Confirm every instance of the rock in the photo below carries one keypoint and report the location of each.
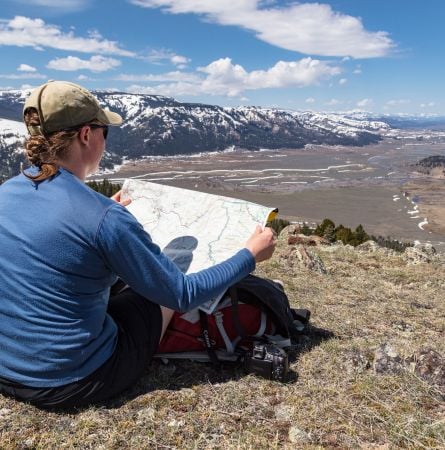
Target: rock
(284, 412)
(310, 241)
(290, 230)
(356, 362)
(420, 253)
(4, 413)
(298, 436)
(403, 326)
(368, 246)
(291, 256)
(146, 414)
(176, 423)
(425, 248)
(387, 360)
(430, 366)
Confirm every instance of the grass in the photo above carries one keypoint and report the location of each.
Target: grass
(335, 399)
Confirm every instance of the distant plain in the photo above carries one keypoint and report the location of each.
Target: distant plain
(375, 185)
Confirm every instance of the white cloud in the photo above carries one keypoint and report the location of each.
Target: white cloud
(170, 89)
(333, 102)
(71, 5)
(96, 63)
(342, 81)
(428, 105)
(177, 59)
(222, 77)
(162, 56)
(310, 100)
(226, 78)
(175, 76)
(26, 32)
(310, 28)
(365, 103)
(397, 102)
(26, 68)
(23, 76)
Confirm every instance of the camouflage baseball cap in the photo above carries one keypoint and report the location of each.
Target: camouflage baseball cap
(64, 105)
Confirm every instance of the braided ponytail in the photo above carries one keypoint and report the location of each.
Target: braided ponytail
(42, 151)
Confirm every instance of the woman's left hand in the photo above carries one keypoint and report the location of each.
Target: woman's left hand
(117, 198)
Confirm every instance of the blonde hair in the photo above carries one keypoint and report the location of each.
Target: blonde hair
(42, 151)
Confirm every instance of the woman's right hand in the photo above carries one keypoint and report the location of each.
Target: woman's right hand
(262, 243)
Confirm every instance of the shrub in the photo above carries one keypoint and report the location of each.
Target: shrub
(278, 225)
(105, 187)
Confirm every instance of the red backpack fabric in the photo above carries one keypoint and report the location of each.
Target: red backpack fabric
(185, 333)
(253, 310)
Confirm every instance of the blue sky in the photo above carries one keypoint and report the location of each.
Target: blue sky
(339, 55)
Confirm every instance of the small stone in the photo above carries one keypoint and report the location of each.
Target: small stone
(146, 414)
(430, 366)
(284, 412)
(356, 362)
(387, 360)
(298, 436)
(290, 230)
(368, 246)
(29, 443)
(176, 423)
(420, 253)
(5, 412)
(403, 326)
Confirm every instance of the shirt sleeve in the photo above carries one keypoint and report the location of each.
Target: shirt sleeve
(130, 253)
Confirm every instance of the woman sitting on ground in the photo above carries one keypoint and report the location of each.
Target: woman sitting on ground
(64, 341)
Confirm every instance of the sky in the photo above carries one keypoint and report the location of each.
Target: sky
(383, 56)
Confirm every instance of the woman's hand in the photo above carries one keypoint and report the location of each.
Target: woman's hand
(117, 198)
(262, 243)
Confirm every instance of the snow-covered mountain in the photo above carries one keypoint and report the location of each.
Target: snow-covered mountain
(157, 125)
(402, 121)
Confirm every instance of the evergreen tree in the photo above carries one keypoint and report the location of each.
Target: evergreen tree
(105, 187)
(278, 225)
(306, 230)
(360, 236)
(343, 234)
(329, 233)
(321, 228)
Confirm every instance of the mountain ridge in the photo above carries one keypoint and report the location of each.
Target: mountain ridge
(158, 125)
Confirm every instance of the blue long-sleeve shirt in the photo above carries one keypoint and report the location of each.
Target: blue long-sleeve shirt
(62, 246)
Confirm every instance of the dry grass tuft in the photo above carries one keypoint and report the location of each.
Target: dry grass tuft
(337, 399)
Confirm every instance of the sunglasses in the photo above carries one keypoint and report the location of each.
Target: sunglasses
(93, 126)
(104, 128)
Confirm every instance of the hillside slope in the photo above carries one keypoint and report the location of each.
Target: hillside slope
(377, 382)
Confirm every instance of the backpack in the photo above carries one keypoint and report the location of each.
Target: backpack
(253, 311)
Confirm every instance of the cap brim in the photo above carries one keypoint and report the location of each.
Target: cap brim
(109, 117)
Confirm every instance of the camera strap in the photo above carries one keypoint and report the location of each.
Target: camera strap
(207, 341)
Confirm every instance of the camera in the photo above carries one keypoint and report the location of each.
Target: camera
(267, 361)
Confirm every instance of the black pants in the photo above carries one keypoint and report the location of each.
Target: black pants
(139, 324)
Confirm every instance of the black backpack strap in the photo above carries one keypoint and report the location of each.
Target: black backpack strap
(301, 319)
(303, 315)
(233, 292)
(206, 340)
